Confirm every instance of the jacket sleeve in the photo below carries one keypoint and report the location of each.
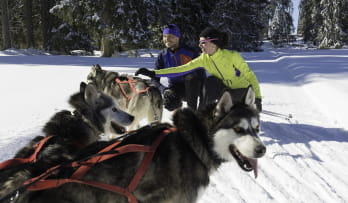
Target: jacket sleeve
(248, 74)
(193, 65)
(159, 62)
(158, 65)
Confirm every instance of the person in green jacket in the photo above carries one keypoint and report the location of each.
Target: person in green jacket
(227, 69)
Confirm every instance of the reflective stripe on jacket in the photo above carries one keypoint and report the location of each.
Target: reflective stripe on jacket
(224, 64)
(168, 59)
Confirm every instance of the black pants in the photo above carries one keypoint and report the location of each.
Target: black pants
(189, 91)
(213, 88)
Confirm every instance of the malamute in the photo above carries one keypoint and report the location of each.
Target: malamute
(68, 132)
(135, 95)
(181, 165)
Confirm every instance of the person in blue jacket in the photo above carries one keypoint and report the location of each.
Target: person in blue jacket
(181, 88)
(227, 68)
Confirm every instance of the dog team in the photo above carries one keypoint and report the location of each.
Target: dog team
(100, 151)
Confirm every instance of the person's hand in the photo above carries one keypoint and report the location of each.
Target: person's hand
(258, 103)
(146, 72)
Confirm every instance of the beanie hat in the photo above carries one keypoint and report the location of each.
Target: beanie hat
(172, 29)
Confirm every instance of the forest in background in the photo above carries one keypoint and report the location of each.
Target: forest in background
(119, 25)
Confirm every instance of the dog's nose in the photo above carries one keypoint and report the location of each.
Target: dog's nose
(260, 151)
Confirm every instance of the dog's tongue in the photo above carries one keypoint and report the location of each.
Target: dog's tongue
(253, 163)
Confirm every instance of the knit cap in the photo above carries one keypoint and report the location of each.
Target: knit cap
(172, 29)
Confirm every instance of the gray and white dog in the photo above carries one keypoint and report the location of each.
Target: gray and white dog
(94, 113)
(127, 91)
(181, 165)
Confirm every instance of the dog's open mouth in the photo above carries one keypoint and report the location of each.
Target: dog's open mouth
(118, 128)
(247, 164)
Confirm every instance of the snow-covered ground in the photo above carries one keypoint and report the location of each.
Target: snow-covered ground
(306, 159)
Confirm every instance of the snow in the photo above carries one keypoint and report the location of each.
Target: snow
(306, 159)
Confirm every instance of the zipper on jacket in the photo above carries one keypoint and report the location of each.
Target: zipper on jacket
(217, 68)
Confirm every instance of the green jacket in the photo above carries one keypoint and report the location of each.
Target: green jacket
(224, 64)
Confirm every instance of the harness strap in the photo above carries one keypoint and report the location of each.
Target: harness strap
(86, 165)
(40, 182)
(130, 82)
(16, 161)
(147, 159)
(53, 183)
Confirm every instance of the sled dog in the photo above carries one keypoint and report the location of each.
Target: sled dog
(135, 95)
(180, 166)
(68, 132)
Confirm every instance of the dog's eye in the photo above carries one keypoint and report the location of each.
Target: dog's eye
(257, 129)
(114, 109)
(238, 129)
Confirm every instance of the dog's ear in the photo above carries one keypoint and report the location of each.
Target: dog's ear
(250, 98)
(95, 69)
(224, 104)
(91, 94)
(82, 87)
(93, 72)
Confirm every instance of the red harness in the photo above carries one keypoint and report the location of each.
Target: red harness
(130, 82)
(41, 182)
(31, 159)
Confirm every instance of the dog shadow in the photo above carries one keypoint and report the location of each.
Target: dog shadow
(286, 133)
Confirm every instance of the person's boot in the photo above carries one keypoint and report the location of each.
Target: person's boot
(171, 100)
(193, 86)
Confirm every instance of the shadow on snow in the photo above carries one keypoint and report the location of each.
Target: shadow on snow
(286, 133)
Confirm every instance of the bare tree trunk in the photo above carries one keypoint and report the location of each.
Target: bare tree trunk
(7, 43)
(107, 46)
(28, 21)
(45, 19)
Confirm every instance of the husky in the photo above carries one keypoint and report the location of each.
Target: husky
(181, 164)
(135, 95)
(68, 132)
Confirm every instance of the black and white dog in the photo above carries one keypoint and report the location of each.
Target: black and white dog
(135, 95)
(181, 165)
(95, 113)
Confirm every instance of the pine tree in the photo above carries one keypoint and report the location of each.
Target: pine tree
(28, 21)
(268, 16)
(7, 42)
(330, 33)
(47, 21)
(305, 20)
(242, 21)
(158, 14)
(324, 22)
(130, 24)
(77, 25)
(281, 25)
(344, 17)
(190, 16)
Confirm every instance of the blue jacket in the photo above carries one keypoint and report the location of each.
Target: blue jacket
(167, 59)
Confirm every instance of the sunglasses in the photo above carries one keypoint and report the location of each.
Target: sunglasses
(204, 41)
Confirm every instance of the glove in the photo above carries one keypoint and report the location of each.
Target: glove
(146, 72)
(258, 103)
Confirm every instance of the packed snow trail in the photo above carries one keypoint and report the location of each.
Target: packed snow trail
(306, 159)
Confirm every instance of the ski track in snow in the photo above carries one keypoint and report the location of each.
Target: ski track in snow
(306, 159)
